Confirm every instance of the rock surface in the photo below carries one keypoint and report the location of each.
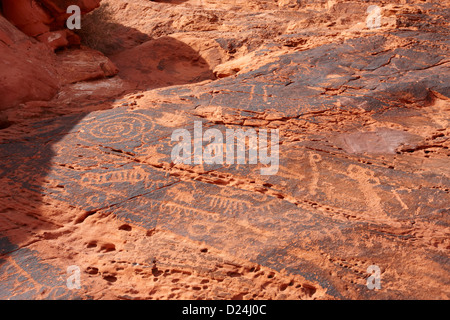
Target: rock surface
(31, 71)
(45, 19)
(27, 69)
(87, 178)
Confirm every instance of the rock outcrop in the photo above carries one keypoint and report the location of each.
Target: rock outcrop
(87, 181)
(29, 69)
(46, 19)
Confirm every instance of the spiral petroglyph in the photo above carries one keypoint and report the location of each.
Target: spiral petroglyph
(117, 128)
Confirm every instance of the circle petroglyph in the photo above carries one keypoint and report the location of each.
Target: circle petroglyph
(117, 128)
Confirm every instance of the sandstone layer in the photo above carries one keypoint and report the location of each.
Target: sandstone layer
(363, 113)
(29, 69)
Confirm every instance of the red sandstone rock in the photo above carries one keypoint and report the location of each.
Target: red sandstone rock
(28, 16)
(30, 71)
(83, 65)
(39, 18)
(55, 39)
(86, 179)
(27, 68)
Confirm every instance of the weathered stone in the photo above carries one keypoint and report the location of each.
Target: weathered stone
(45, 19)
(363, 115)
